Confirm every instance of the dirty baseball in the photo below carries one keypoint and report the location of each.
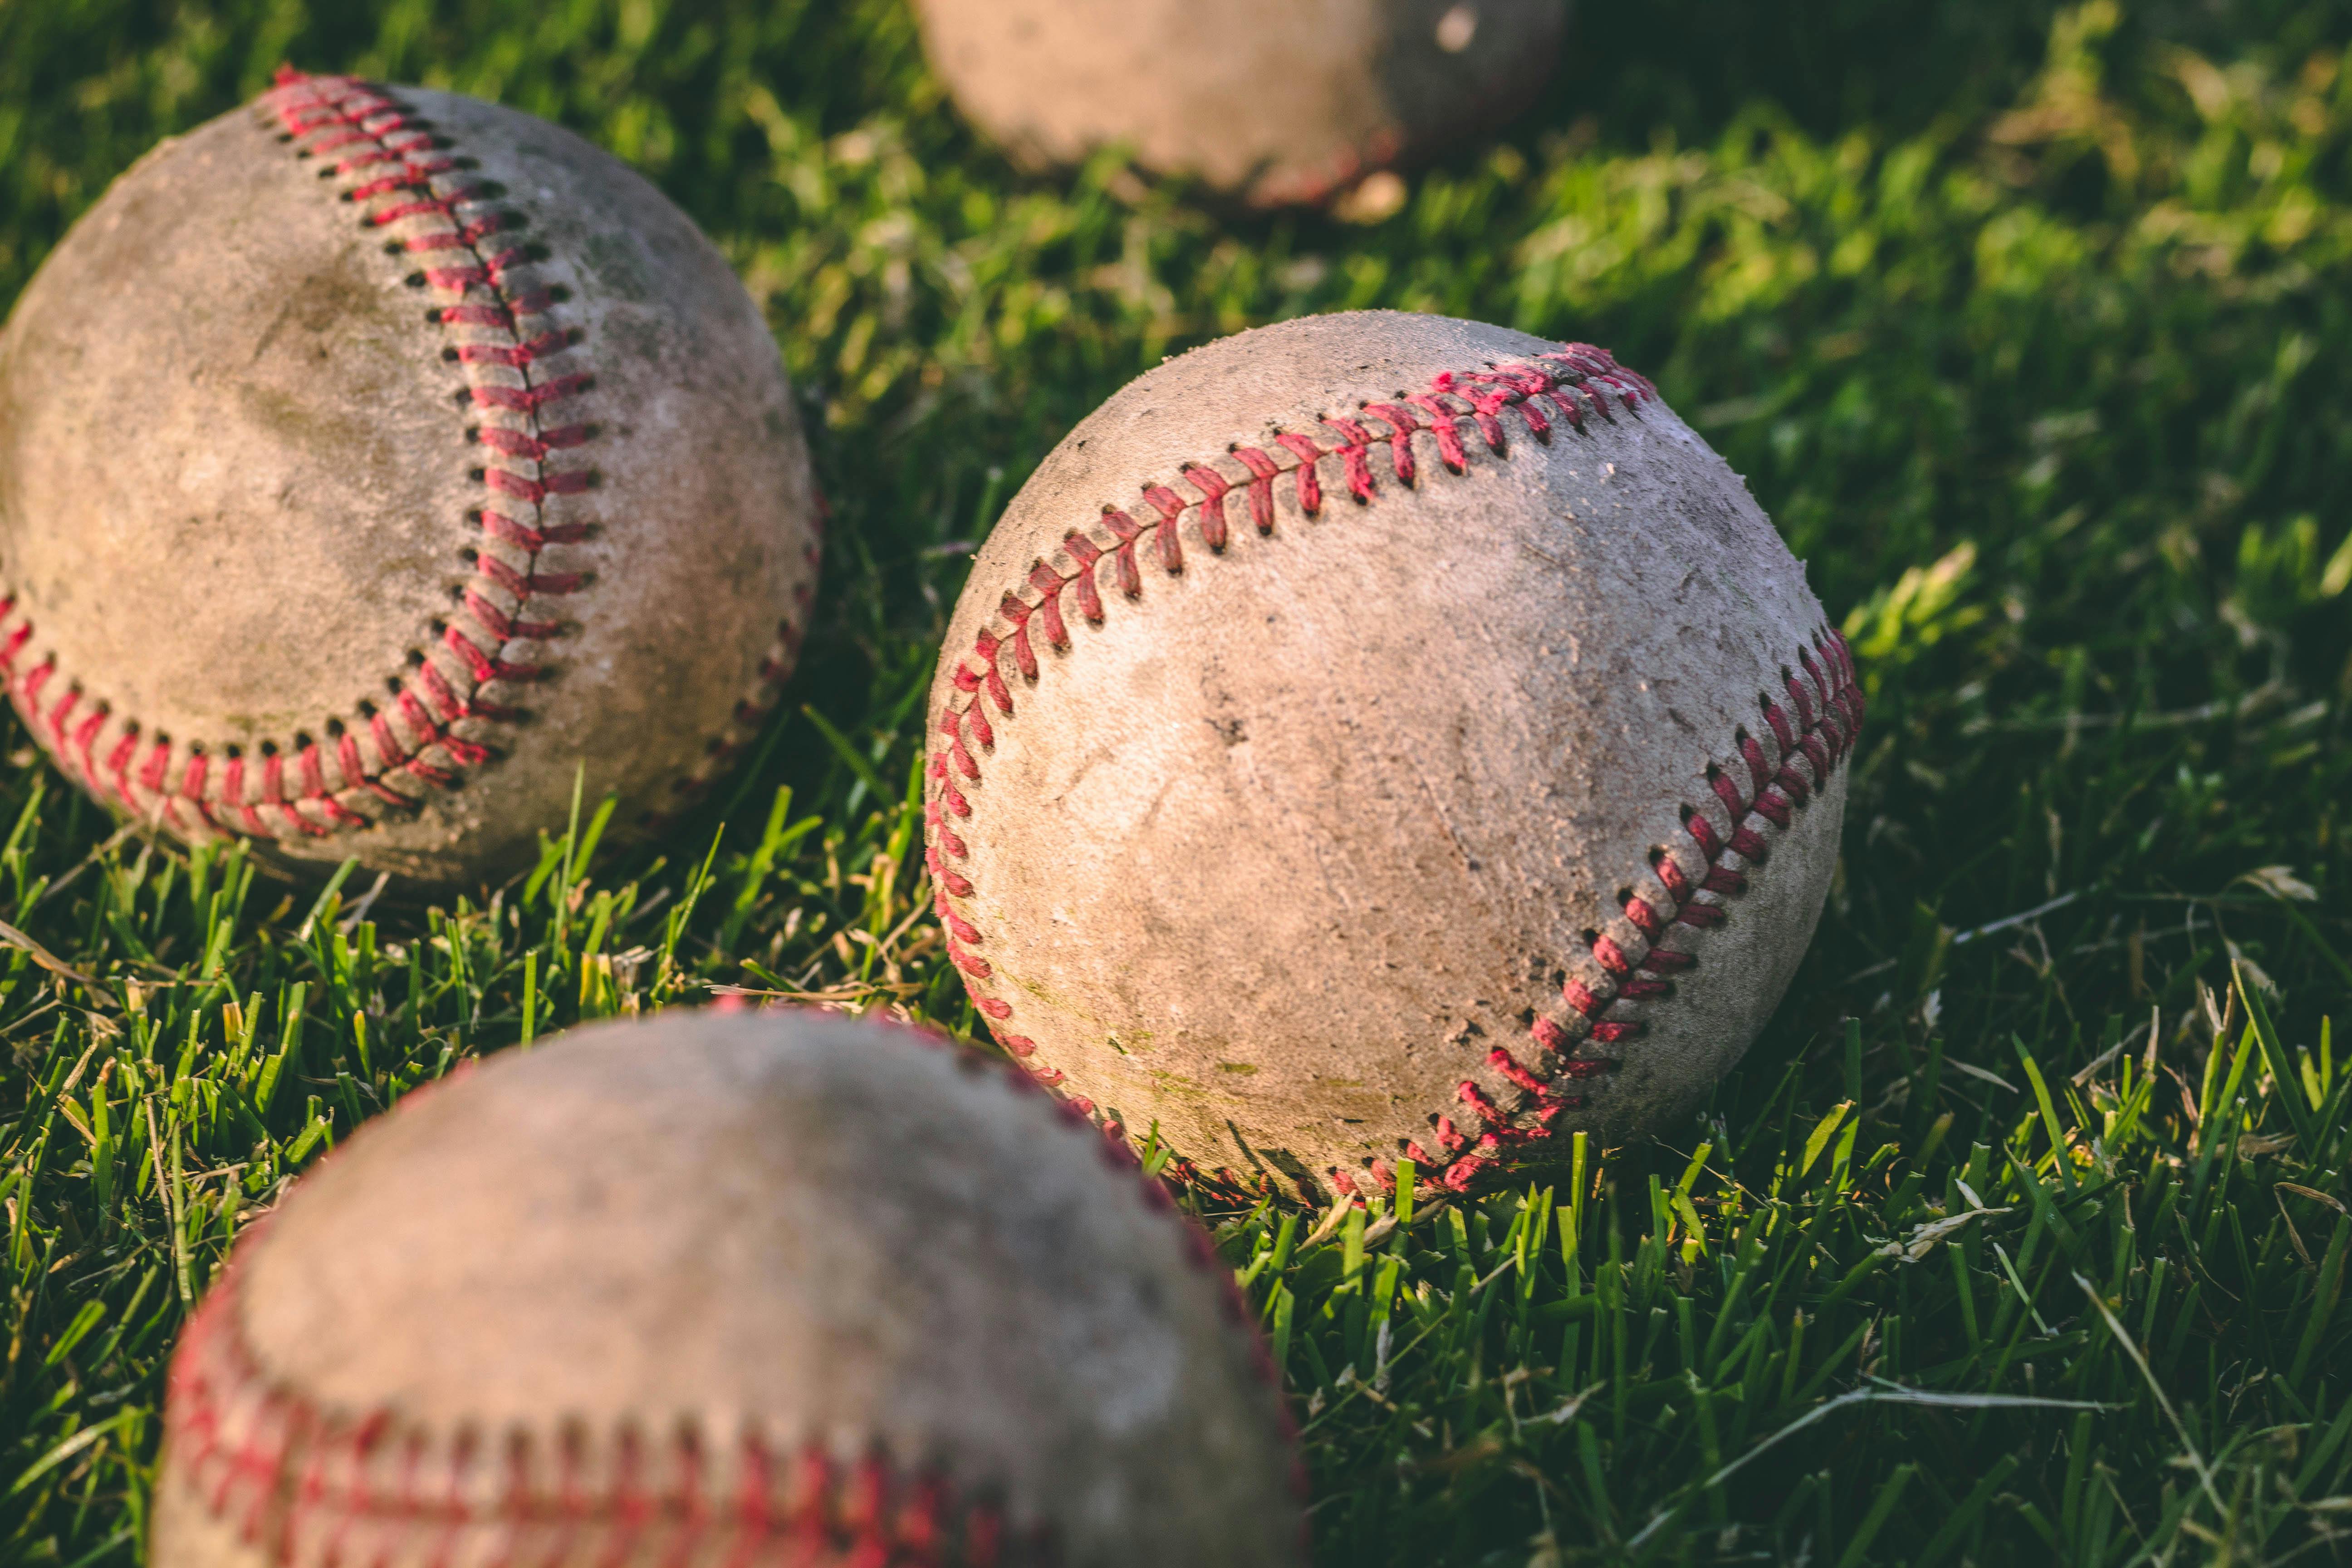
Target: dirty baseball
(711, 1288)
(463, 467)
(1383, 737)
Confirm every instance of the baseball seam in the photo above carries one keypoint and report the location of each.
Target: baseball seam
(1575, 384)
(308, 1483)
(303, 1483)
(396, 174)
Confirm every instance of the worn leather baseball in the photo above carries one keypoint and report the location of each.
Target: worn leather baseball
(1380, 735)
(713, 1289)
(1275, 104)
(372, 459)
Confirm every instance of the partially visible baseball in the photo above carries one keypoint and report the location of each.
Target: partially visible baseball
(1275, 104)
(1379, 736)
(372, 460)
(710, 1289)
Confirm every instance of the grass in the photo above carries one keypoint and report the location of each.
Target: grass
(2022, 1233)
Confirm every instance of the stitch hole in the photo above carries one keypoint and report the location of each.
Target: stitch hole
(392, 687)
(416, 661)
(438, 626)
(302, 741)
(560, 294)
(269, 748)
(233, 752)
(477, 475)
(415, 281)
(334, 729)
(474, 516)
(392, 247)
(576, 334)
(487, 191)
(535, 253)
(469, 555)
(433, 319)
(450, 355)
(366, 711)
(284, 137)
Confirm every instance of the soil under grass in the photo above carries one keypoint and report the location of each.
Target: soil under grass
(2022, 1233)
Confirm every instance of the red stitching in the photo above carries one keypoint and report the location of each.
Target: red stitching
(301, 1481)
(308, 1482)
(1578, 383)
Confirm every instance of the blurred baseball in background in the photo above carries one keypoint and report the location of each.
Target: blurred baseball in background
(1270, 104)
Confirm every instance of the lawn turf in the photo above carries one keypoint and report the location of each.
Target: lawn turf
(2028, 325)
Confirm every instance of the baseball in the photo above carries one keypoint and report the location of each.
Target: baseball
(1382, 736)
(712, 1289)
(1274, 104)
(372, 460)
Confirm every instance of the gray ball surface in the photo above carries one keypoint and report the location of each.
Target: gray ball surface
(711, 1288)
(1379, 736)
(372, 459)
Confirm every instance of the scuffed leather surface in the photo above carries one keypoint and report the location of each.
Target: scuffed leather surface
(1278, 103)
(235, 480)
(1276, 855)
(787, 1225)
